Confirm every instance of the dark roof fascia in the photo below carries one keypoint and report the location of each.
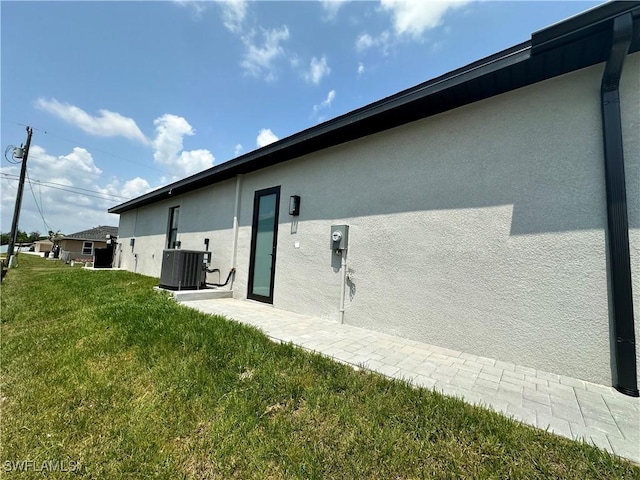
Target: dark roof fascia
(584, 24)
(247, 163)
(418, 102)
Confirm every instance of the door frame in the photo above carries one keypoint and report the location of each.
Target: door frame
(254, 238)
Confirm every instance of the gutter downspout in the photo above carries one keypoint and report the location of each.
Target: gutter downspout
(135, 230)
(236, 215)
(625, 375)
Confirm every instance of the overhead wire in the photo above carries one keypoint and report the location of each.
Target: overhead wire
(77, 143)
(78, 193)
(42, 204)
(47, 184)
(67, 188)
(40, 210)
(40, 193)
(74, 187)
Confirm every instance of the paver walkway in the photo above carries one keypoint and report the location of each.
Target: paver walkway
(566, 406)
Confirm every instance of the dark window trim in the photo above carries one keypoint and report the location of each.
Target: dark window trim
(254, 237)
(172, 211)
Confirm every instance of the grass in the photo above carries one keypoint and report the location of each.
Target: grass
(112, 380)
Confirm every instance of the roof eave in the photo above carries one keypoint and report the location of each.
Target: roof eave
(539, 58)
(332, 127)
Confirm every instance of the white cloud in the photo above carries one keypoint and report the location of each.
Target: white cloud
(331, 7)
(238, 150)
(366, 41)
(360, 68)
(197, 7)
(170, 131)
(265, 137)
(55, 182)
(76, 210)
(108, 124)
(233, 14)
(135, 187)
(318, 69)
(326, 102)
(260, 59)
(168, 144)
(413, 17)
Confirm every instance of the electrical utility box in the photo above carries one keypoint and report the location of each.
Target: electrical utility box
(182, 269)
(339, 237)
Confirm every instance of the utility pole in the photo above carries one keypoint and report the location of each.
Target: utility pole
(16, 211)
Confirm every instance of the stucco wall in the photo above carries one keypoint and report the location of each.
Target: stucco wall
(481, 229)
(76, 246)
(206, 213)
(42, 246)
(630, 101)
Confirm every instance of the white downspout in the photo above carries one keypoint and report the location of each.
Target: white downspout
(135, 231)
(236, 215)
(343, 282)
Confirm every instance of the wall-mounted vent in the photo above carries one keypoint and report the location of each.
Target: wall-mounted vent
(182, 269)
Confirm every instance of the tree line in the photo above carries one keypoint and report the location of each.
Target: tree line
(24, 237)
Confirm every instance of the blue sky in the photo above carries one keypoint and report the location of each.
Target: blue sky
(125, 97)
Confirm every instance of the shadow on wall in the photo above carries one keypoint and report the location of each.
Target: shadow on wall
(350, 283)
(539, 150)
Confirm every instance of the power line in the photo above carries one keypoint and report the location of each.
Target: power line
(76, 193)
(97, 150)
(46, 226)
(8, 176)
(40, 193)
(84, 189)
(70, 186)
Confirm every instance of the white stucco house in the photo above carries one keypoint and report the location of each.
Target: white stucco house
(493, 210)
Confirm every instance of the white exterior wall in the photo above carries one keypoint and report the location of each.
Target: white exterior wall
(630, 103)
(206, 213)
(481, 229)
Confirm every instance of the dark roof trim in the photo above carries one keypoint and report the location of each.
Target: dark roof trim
(583, 24)
(578, 42)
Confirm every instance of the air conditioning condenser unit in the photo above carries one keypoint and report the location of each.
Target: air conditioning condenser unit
(182, 269)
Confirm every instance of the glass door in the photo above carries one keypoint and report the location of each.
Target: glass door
(264, 237)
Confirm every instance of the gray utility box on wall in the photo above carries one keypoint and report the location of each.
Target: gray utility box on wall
(339, 237)
(182, 269)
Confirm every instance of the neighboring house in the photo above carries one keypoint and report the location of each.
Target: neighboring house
(42, 246)
(81, 246)
(484, 214)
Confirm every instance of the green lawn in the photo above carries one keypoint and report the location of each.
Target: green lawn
(105, 377)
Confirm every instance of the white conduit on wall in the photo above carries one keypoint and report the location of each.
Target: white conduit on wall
(343, 282)
(236, 215)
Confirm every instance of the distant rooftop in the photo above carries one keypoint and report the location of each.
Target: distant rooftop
(95, 234)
